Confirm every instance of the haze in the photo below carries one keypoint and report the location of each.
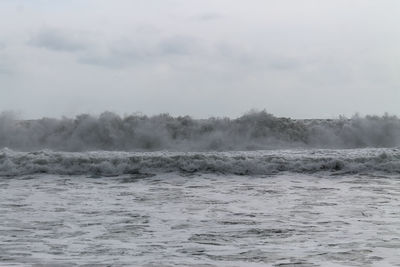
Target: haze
(300, 59)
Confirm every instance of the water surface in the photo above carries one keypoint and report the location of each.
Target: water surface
(200, 219)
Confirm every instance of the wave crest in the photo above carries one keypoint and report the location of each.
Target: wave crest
(252, 131)
(240, 163)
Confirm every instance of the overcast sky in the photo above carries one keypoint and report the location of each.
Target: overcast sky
(294, 58)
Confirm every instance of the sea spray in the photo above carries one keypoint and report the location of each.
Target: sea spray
(252, 131)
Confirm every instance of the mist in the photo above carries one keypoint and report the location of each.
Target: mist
(255, 130)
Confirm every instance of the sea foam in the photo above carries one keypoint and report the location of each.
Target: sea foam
(104, 163)
(252, 131)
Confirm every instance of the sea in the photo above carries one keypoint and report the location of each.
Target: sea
(290, 207)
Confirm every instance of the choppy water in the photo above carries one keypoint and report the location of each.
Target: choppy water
(102, 163)
(202, 218)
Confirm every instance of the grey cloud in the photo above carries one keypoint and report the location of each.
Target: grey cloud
(125, 52)
(175, 50)
(57, 40)
(181, 51)
(184, 52)
(4, 69)
(284, 63)
(106, 60)
(119, 54)
(5, 65)
(255, 59)
(208, 17)
(178, 45)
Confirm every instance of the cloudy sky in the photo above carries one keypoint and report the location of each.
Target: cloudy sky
(294, 58)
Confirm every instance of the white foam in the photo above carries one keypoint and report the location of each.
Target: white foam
(252, 163)
(257, 130)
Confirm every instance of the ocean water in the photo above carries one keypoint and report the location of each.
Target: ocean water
(313, 207)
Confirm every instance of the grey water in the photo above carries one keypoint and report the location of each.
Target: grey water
(297, 209)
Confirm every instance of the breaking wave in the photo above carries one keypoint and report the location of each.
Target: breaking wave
(252, 131)
(385, 161)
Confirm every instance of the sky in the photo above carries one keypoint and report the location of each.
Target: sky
(299, 59)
